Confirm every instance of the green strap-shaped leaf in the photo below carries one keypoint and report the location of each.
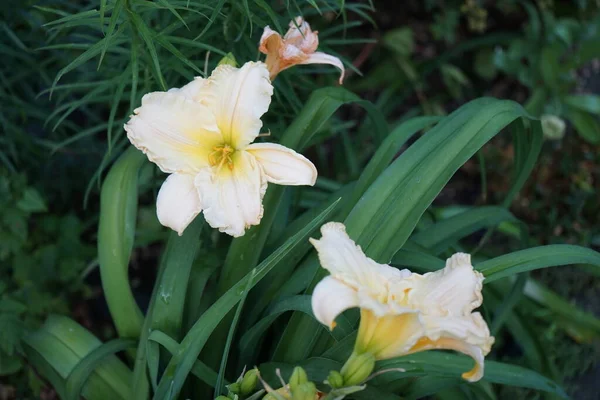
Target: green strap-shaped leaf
(562, 307)
(586, 125)
(584, 102)
(183, 360)
(302, 303)
(388, 212)
(220, 384)
(148, 36)
(82, 371)
(439, 236)
(536, 258)
(165, 312)
(58, 350)
(199, 370)
(116, 231)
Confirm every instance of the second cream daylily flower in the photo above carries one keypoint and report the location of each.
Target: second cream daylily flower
(201, 135)
(297, 46)
(401, 312)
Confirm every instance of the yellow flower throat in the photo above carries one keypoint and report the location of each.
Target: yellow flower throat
(220, 156)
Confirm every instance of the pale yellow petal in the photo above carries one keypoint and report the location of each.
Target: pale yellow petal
(346, 261)
(387, 336)
(467, 334)
(174, 132)
(330, 298)
(192, 90)
(232, 197)
(238, 97)
(454, 290)
(282, 165)
(178, 202)
(322, 58)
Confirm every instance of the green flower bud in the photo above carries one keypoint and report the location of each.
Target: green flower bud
(229, 59)
(249, 382)
(234, 388)
(298, 377)
(335, 379)
(553, 127)
(358, 368)
(222, 398)
(304, 391)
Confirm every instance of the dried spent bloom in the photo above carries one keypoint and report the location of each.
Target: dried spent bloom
(298, 46)
(202, 134)
(401, 312)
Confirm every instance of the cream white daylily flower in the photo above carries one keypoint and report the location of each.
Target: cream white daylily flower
(201, 134)
(401, 312)
(298, 46)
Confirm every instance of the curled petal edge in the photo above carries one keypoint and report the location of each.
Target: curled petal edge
(330, 298)
(322, 58)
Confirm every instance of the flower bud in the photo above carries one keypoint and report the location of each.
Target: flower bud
(335, 379)
(249, 382)
(234, 388)
(358, 368)
(553, 127)
(304, 391)
(298, 378)
(222, 398)
(229, 59)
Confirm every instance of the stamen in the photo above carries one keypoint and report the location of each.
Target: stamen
(264, 134)
(220, 156)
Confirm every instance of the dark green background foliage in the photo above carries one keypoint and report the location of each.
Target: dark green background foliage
(73, 71)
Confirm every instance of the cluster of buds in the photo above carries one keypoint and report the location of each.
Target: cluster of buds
(298, 388)
(243, 387)
(476, 15)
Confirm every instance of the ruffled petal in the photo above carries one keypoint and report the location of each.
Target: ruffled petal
(178, 202)
(238, 97)
(454, 290)
(322, 58)
(191, 90)
(282, 165)
(232, 198)
(174, 132)
(346, 261)
(468, 335)
(330, 298)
